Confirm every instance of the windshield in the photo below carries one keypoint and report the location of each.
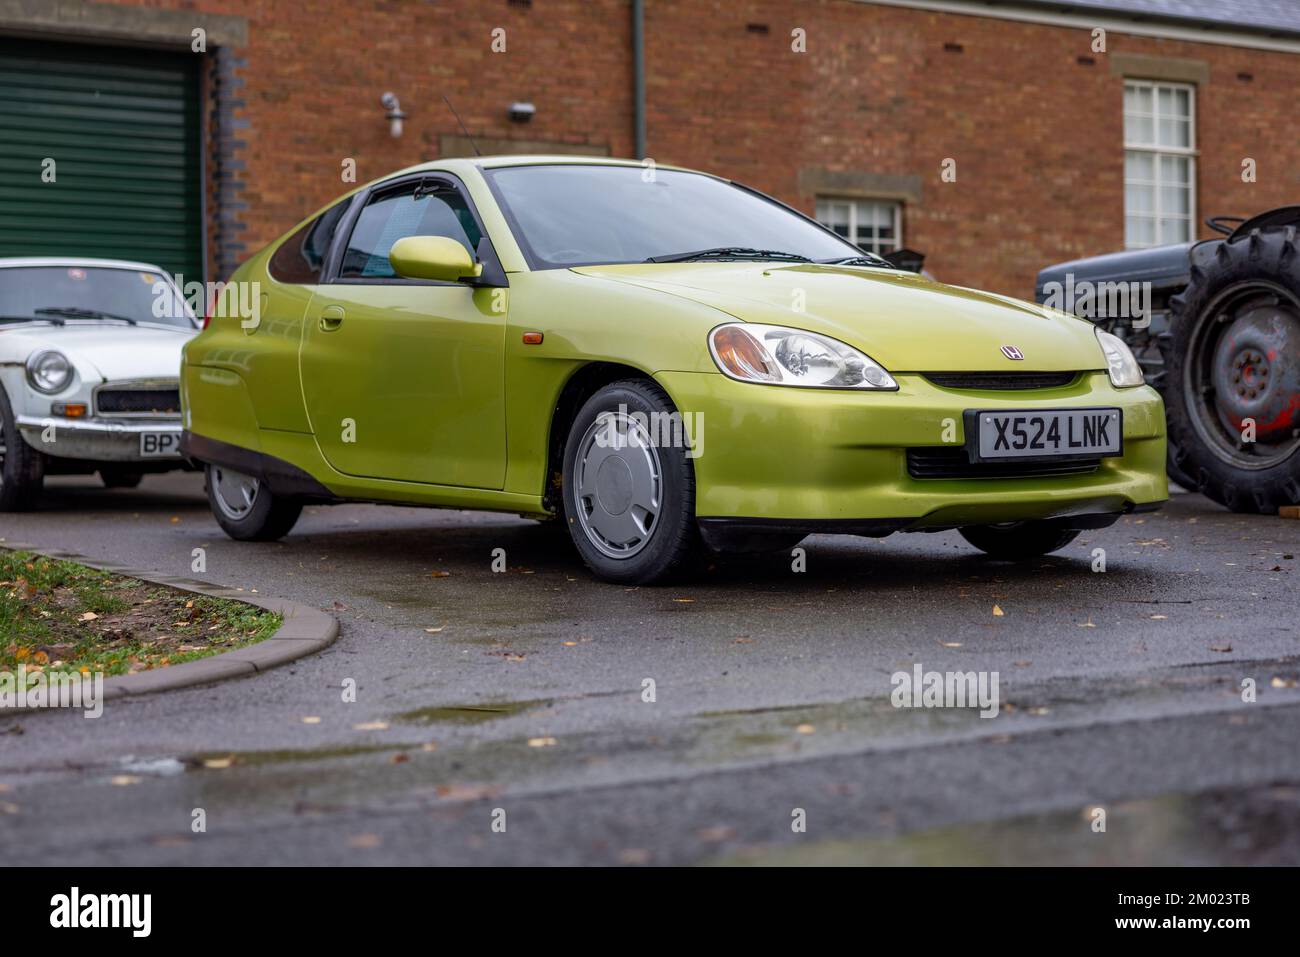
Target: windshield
(585, 215)
(78, 294)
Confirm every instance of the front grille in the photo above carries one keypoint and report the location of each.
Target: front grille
(1001, 380)
(141, 402)
(948, 462)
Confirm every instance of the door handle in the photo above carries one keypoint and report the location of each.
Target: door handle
(331, 318)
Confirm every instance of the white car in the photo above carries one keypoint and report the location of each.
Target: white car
(90, 355)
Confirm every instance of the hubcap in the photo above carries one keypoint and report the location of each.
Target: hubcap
(618, 485)
(235, 493)
(1243, 366)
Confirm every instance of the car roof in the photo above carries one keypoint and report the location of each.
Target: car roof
(17, 261)
(462, 163)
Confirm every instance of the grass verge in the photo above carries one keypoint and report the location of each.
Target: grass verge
(59, 616)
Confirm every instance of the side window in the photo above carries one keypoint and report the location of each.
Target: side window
(300, 257)
(411, 210)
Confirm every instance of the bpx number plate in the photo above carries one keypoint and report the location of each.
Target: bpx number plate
(1044, 433)
(160, 445)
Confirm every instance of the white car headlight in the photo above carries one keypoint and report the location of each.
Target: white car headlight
(1124, 369)
(49, 372)
(775, 355)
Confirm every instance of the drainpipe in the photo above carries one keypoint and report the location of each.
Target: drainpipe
(638, 74)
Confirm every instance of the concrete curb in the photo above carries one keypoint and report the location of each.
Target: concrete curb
(305, 630)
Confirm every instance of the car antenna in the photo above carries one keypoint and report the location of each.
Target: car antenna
(477, 151)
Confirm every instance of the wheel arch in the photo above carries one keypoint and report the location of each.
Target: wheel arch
(582, 384)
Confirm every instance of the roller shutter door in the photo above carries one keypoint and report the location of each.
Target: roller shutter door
(122, 127)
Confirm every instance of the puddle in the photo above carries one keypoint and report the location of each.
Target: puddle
(472, 713)
(1225, 827)
(260, 758)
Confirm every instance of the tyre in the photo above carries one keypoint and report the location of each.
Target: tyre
(1234, 364)
(22, 468)
(119, 478)
(246, 509)
(1017, 541)
(629, 501)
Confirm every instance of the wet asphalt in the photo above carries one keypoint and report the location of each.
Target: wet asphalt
(502, 717)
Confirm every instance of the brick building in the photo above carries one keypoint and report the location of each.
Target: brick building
(191, 132)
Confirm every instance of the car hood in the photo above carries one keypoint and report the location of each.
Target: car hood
(110, 351)
(905, 321)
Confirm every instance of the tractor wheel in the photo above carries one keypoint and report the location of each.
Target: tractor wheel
(1233, 387)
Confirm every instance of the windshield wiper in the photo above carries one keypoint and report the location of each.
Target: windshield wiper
(730, 252)
(74, 313)
(867, 260)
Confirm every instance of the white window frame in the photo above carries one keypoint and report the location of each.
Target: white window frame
(1156, 151)
(853, 203)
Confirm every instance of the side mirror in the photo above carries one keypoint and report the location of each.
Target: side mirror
(432, 257)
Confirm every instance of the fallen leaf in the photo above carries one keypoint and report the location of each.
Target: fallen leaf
(1159, 617)
(123, 780)
(371, 726)
(997, 611)
(364, 841)
(433, 631)
(87, 616)
(1224, 648)
(713, 835)
(541, 742)
(951, 644)
(1282, 683)
(806, 729)
(439, 574)
(311, 719)
(218, 764)
(400, 758)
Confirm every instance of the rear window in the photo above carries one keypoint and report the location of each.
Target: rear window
(301, 257)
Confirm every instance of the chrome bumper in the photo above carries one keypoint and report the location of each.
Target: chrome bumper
(97, 440)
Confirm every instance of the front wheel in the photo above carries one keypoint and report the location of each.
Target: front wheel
(246, 509)
(22, 468)
(1017, 541)
(629, 498)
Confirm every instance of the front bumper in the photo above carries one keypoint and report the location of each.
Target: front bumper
(99, 440)
(805, 457)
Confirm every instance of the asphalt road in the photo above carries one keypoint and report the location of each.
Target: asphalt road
(518, 697)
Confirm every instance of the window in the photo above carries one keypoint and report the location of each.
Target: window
(1159, 163)
(300, 257)
(873, 225)
(415, 209)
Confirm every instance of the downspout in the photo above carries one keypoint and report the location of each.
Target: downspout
(638, 75)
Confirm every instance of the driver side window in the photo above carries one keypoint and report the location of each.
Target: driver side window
(395, 214)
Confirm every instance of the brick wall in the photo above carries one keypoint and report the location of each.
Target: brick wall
(1036, 134)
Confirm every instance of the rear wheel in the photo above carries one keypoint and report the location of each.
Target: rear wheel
(1017, 541)
(629, 502)
(246, 509)
(1233, 394)
(22, 468)
(119, 478)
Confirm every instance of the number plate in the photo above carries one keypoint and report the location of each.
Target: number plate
(160, 445)
(1047, 433)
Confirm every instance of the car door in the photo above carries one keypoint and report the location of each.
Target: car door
(404, 379)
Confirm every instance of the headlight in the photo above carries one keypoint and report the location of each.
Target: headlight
(1124, 369)
(49, 372)
(775, 355)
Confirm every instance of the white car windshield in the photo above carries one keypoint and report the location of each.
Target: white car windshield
(586, 214)
(80, 294)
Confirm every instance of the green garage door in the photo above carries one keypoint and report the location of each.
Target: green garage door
(122, 127)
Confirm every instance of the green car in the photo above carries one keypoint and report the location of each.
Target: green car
(668, 362)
